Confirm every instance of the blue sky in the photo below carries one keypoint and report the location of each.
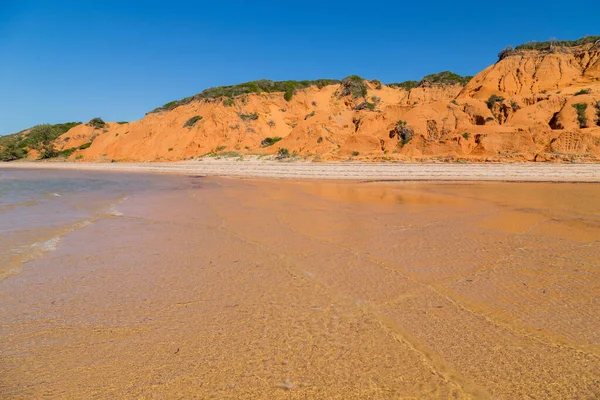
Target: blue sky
(75, 60)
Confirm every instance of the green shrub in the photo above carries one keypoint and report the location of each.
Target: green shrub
(271, 123)
(220, 148)
(192, 121)
(311, 114)
(581, 117)
(282, 153)
(492, 100)
(270, 141)
(249, 117)
(40, 138)
(403, 132)
(79, 156)
(10, 148)
(515, 107)
(365, 105)
(170, 149)
(66, 152)
(228, 102)
(445, 78)
(454, 102)
(509, 50)
(260, 86)
(231, 154)
(355, 153)
(406, 85)
(466, 135)
(376, 83)
(85, 146)
(320, 139)
(353, 85)
(557, 43)
(96, 123)
(583, 91)
(122, 122)
(48, 151)
(488, 119)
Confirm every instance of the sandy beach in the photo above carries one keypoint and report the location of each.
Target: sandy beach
(254, 168)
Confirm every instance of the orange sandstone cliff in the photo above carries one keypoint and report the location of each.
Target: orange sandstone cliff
(539, 104)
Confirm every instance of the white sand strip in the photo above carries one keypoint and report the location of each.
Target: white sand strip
(515, 172)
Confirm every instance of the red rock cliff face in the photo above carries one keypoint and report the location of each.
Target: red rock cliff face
(537, 117)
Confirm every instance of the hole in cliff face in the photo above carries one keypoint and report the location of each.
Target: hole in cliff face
(356, 122)
(554, 124)
(479, 120)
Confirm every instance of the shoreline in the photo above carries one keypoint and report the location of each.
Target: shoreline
(252, 168)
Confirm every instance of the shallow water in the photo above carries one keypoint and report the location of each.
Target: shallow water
(39, 208)
(197, 288)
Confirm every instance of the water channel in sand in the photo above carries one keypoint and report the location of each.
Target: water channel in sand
(204, 287)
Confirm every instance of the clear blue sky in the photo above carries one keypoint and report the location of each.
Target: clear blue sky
(75, 60)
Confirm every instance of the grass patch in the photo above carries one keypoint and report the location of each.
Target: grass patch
(583, 91)
(581, 117)
(248, 117)
(288, 88)
(231, 154)
(228, 102)
(270, 141)
(85, 146)
(509, 50)
(557, 43)
(220, 148)
(192, 121)
(445, 78)
(365, 105)
(406, 85)
(466, 135)
(66, 153)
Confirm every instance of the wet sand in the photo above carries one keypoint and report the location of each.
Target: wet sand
(230, 288)
(254, 167)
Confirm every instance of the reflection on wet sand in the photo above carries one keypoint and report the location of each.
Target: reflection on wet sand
(269, 289)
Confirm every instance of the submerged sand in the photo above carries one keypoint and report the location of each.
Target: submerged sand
(285, 289)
